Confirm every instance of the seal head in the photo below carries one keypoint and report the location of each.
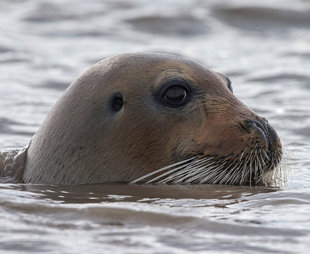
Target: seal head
(151, 118)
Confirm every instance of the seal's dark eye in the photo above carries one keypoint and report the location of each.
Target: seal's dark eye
(175, 95)
(117, 102)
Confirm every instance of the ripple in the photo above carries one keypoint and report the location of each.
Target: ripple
(263, 19)
(11, 59)
(303, 131)
(282, 77)
(5, 124)
(8, 126)
(170, 26)
(305, 55)
(4, 49)
(26, 245)
(45, 12)
(53, 84)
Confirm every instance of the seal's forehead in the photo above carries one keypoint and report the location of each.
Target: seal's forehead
(151, 70)
(147, 59)
(166, 65)
(156, 64)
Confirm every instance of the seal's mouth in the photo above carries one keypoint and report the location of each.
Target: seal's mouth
(252, 166)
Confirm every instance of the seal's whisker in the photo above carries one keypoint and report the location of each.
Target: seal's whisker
(185, 176)
(165, 168)
(179, 170)
(172, 177)
(190, 167)
(194, 176)
(243, 173)
(209, 174)
(266, 155)
(216, 173)
(255, 163)
(199, 174)
(228, 178)
(251, 166)
(219, 174)
(171, 171)
(205, 173)
(259, 161)
(235, 176)
(242, 153)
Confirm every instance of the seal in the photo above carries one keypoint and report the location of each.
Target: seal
(152, 118)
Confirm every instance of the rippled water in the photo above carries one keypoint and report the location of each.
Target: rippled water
(264, 47)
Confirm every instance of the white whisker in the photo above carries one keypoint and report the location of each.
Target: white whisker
(163, 169)
(252, 166)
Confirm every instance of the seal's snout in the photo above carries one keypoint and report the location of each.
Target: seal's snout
(264, 130)
(263, 139)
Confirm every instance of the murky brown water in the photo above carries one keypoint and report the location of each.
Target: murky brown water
(264, 47)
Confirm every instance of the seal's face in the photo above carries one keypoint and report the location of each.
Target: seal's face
(155, 118)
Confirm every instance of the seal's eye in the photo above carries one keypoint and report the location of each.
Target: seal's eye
(175, 95)
(117, 102)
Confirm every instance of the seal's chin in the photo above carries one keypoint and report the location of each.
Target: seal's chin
(252, 166)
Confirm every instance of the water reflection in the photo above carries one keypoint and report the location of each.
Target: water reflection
(147, 193)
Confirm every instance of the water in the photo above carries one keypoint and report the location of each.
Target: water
(264, 47)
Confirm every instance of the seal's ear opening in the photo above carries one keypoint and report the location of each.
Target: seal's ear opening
(117, 102)
(227, 81)
(229, 85)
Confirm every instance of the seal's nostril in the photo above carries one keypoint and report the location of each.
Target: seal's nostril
(257, 126)
(250, 124)
(264, 129)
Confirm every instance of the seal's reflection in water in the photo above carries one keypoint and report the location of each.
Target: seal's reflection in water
(97, 193)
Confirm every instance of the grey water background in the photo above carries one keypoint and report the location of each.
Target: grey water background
(263, 46)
